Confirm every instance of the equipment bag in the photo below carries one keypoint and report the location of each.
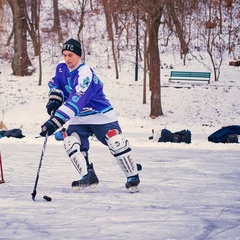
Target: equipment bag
(225, 135)
(177, 137)
(16, 133)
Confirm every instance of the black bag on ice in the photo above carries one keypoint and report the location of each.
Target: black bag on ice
(16, 133)
(225, 135)
(177, 137)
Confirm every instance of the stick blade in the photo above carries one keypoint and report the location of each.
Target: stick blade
(34, 193)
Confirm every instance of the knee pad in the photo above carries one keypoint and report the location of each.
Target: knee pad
(72, 147)
(116, 142)
(120, 149)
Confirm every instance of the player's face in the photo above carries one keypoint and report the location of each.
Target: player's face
(72, 60)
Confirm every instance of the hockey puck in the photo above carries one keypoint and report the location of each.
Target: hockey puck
(47, 198)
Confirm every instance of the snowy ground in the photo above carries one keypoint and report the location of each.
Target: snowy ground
(187, 191)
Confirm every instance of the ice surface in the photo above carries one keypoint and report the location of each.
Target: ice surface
(188, 191)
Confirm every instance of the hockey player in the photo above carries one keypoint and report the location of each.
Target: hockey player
(76, 96)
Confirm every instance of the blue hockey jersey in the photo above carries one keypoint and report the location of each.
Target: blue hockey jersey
(84, 99)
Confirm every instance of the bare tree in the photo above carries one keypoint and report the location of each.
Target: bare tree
(1, 25)
(145, 57)
(82, 5)
(39, 43)
(1, 14)
(108, 10)
(21, 63)
(33, 24)
(151, 12)
(213, 37)
(56, 21)
(155, 13)
(180, 13)
(232, 13)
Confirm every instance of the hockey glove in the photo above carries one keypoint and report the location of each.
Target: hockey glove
(54, 102)
(51, 125)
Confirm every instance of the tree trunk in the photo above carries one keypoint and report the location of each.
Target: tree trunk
(82, 5)
(145, 69)
(32, 25)
(21, 63)
(56, 21)
(39, 45)
(156, 109)
(1, 16)
(109, 22)
(179, 30)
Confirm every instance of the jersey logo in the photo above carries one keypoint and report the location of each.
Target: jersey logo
(68, 88)
(95, 79)
(85, 82)
(75, 99)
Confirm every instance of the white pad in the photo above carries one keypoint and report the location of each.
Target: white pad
(121, 150)
(72, 147)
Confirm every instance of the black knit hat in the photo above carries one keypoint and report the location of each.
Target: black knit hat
(73, 46)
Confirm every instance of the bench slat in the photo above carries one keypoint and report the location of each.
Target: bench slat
(189, 76)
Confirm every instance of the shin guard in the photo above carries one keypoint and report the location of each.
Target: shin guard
(121, 150)
(72, 147)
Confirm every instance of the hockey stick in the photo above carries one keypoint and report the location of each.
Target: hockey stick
(34, 193)
(2, 178)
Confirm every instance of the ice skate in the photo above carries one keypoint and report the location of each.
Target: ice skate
(132, 183)
(89, 180)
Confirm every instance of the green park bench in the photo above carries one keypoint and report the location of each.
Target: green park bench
(186, 77)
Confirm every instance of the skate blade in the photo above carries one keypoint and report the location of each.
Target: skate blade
(91, 188)
(134, 189)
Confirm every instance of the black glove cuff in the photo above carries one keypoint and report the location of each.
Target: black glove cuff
(56, 96)
(58, 121)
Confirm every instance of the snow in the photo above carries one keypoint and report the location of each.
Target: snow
(188, 191)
